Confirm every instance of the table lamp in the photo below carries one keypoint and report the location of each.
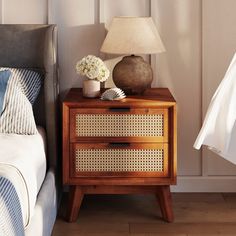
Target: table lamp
(130, 36)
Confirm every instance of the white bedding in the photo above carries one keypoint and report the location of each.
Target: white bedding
(219, 128)
(23, 162)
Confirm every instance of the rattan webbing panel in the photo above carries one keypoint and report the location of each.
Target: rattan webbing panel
(118, 160)
(95, 125)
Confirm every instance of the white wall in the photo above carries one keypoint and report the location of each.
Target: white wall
(200, 39)
(24, 11)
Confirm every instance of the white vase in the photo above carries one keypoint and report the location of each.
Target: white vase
(91, 88)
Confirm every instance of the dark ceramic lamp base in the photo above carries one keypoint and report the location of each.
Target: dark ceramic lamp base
(133, 75)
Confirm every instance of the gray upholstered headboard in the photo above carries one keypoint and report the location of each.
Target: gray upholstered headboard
(35, 46)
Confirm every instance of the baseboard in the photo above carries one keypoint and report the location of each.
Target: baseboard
(205, 184)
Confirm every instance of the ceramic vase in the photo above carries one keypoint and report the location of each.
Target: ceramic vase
(91, 88)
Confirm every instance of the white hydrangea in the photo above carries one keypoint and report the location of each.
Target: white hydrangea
(93, 67)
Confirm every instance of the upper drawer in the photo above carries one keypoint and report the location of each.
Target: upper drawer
(120, 124)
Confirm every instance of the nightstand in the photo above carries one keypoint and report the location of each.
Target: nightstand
(120, 147)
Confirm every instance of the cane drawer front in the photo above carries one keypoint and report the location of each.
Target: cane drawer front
(119, 159)
(133, 125)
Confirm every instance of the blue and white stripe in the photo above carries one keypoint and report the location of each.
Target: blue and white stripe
(4, 77)
(22, 89)
(29, 81)
(11, 220)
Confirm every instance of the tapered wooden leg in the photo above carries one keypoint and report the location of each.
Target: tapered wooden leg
(165, 201)
(75, 199)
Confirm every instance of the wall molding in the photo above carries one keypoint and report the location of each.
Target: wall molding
(205, 184)
(50, 18)
(47, 11)
(97, 17)
(204, 159)
(1, 11)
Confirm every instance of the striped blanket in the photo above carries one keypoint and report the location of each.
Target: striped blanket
(11, 221)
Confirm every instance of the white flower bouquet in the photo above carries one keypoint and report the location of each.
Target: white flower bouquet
(93, 67)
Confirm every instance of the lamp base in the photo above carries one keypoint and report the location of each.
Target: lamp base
(133, 75)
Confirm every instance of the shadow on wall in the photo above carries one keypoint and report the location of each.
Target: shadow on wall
(179, 69)
(110, 63)
(75, 43)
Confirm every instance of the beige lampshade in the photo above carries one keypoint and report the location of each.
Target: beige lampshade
(132, 35)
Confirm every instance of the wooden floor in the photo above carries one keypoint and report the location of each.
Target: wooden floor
(196, 214)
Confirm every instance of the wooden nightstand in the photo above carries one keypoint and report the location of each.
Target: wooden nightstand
(120, 147)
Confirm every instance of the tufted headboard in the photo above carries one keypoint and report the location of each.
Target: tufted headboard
(35, 46)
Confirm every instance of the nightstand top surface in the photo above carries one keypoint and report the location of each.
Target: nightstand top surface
(153, 96)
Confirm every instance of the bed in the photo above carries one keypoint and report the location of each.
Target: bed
(31, 46)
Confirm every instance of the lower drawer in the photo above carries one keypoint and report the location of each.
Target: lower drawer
(119, 159)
